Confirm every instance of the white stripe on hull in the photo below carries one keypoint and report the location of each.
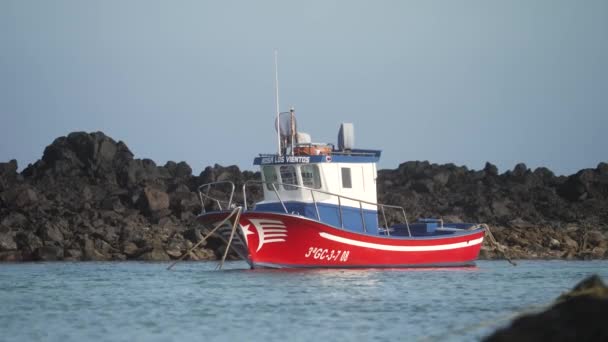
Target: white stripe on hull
(400, 248)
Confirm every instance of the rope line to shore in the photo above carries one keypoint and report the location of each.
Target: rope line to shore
(498, 247)
(236, 211)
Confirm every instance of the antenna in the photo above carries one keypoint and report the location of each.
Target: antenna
(276, 80)
(292, 127)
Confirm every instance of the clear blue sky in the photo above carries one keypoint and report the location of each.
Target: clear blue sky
(445, 81)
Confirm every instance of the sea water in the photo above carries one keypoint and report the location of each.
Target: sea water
(133, 301)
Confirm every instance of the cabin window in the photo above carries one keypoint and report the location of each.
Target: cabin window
(346, 181)
(310, 176)
(288, 176)
(270, 176)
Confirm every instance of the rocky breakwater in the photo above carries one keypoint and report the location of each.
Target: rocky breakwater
(88, 198)
(533, 213)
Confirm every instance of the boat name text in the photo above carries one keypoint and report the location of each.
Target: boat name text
(286, 160)
(327, 254)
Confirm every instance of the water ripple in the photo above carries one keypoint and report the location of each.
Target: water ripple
(134, 301)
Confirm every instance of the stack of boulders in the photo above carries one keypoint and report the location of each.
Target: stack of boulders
(88, 198)
(535, 214)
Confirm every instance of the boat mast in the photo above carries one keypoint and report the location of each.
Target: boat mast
(276, 82)
(292, 127)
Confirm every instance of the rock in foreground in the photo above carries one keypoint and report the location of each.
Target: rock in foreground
(579, 315)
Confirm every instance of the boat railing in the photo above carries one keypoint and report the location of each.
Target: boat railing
(354, 153)
(380, 207)
(204, 195)
(333, 151)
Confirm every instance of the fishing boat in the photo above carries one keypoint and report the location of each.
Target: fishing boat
(319, 210)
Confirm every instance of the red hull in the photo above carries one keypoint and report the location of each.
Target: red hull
(282, 240)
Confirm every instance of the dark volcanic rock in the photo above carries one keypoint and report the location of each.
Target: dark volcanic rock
(80, 153)
(180, 170)
(20, 196)
(218, 173)
(27, 243)
(538, 197)
(7, 240)
(579, 315)
(490, 169)
(155, 254)
(8, 174)
(184, 202)
(155, 200)
(89, 199)
(573, 189)
(586, 184)
(48, 253)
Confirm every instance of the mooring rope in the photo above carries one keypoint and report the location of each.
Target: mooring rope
(498, 247)
(234, 225)
(236, 211)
